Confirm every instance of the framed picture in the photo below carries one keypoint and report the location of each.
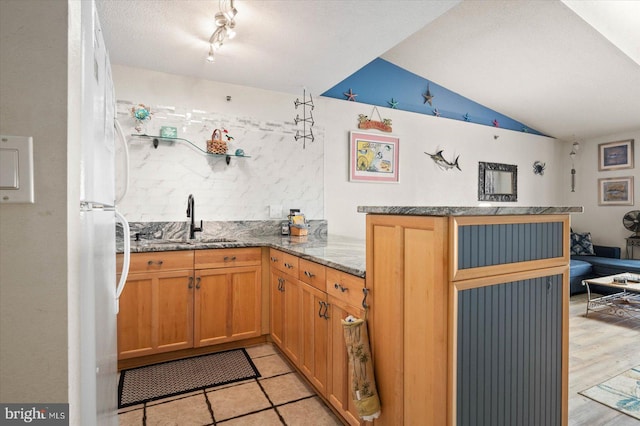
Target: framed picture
(615, 191)
(373, 158)
(615, 155)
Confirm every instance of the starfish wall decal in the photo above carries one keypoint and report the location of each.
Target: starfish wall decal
(393, 103)
(350, 95)
(428, 97)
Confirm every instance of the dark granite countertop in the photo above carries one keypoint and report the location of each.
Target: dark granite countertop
(343, 253)
(466, 211)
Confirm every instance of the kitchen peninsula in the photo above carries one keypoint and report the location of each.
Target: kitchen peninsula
(469, 313)
(237, 285)
(468, 307)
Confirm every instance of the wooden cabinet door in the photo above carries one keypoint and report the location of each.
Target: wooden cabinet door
(246, 303)
(277, 307)
(292, 329)
(338, 392)
(227, 305)
(135, 317)
(175, 312)
(315, 333)
(407, 258)
(156, 313)
(286, 300)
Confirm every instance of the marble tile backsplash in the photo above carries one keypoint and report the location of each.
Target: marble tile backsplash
(277, 174)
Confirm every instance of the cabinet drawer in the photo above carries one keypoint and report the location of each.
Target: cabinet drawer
(345, 287)
(158, 261)
(284, 262)
(221, 258)
(312, 273)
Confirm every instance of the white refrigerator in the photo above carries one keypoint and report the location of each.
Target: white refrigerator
(98, 287)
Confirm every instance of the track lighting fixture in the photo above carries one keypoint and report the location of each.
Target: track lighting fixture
(225, 27)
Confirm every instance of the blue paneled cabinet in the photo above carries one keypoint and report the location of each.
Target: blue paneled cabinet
(469, 318)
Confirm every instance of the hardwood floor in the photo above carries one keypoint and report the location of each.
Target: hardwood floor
(600, 347)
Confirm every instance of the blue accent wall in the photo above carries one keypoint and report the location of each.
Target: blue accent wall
(380, 81)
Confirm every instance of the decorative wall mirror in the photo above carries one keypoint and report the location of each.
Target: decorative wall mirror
(497, 182)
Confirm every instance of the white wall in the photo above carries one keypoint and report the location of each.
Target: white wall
(421, 181)
(162, 179)
(604, 222)
(34, 255)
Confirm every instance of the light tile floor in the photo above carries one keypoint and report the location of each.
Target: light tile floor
(279, 397)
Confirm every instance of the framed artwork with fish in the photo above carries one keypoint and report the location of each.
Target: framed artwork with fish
(616, 191)
(373, 158)
(615, 155)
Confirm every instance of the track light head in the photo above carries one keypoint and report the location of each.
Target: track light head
(225, 27)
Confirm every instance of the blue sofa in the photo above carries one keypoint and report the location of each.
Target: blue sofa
(605, 262)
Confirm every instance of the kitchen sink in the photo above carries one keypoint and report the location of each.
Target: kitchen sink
(188, 242)
(213, 240)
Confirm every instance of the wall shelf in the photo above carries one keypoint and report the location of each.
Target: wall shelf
(157, 139)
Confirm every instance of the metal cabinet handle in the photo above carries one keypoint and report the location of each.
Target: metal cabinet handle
(274, 259)
(227, 258)
(340, 287)
(281, 284)
(309, 274)
(324, 305)
(364, 299)
(288, 265)
(157, 262)
(190, 282)
(198, 283)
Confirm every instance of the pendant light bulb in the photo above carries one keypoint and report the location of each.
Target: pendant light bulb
(225, 24)
(220, 20)
(210, 57)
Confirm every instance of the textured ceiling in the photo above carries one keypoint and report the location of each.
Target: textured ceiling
(281, 45)
(539, 62)
(535, 61)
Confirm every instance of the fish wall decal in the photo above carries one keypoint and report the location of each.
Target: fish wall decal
(442, 163)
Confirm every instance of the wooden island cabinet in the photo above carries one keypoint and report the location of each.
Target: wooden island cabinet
(469, 314)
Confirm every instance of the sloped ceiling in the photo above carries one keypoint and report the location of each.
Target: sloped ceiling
(538, 62)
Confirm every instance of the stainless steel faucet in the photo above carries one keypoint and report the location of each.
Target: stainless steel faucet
(191, 212)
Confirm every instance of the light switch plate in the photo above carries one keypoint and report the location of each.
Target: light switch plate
(16, 169)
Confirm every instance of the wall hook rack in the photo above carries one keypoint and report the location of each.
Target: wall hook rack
(305, 118)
